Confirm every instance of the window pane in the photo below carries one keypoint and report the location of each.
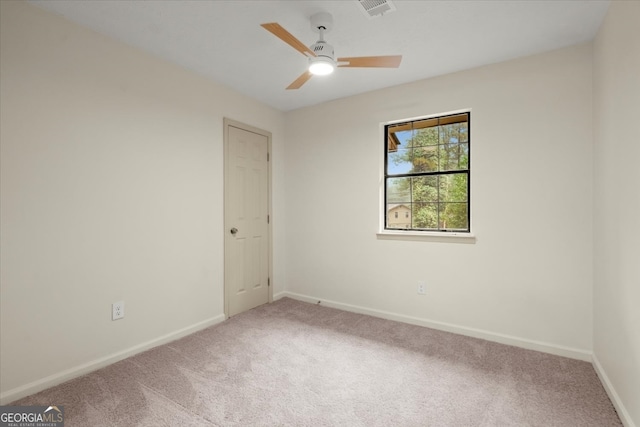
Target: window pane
(399, 137)
(453, 216)
(404, 137)
(425, 216)
(424, 189)
(426, 136)
(448, 156)
(453, 188)
(399, 162)
(454, 156)
(399, 215)
(398, 190)
(425, 159)
(450, 134)
(454, 132)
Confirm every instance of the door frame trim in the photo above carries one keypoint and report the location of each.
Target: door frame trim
(227, 123)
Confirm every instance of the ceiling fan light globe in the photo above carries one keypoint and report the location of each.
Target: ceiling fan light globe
(321, 66)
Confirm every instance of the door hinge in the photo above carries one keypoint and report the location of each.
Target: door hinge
(268, 220)
(268, 281)
(267, 156)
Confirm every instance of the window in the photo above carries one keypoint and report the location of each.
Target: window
(427, 171)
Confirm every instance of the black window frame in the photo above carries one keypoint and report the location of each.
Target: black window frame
(388, 176)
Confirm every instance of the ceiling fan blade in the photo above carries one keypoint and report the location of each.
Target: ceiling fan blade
(300, 80)
(284, 35)
(392, 61)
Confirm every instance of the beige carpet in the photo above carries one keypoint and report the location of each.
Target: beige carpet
(297, 364)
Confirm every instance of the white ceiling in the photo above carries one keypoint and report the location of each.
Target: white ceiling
(224, 41)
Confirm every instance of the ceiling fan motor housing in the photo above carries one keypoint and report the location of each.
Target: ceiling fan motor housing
(322, 48)
(322, 22)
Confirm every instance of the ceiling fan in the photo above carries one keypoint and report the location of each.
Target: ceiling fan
(320, 54)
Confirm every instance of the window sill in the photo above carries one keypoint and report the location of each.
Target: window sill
(427, 236)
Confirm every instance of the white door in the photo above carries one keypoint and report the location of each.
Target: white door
(247, 233)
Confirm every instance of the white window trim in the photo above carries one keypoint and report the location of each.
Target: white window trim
(413, 235)
(426, 236)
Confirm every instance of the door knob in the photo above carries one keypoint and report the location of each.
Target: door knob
(234, 231)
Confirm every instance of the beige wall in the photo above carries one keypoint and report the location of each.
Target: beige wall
(112, 189)
(617, 204)
(528, 275)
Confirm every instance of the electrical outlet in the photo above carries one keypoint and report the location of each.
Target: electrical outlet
(117, 310)
(422, 288)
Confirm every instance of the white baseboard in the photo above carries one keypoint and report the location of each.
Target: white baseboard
(280, 295)
(60, 377)
(544, 347)
(611, 392)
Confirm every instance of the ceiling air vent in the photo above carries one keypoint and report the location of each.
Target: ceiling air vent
(374, 8)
